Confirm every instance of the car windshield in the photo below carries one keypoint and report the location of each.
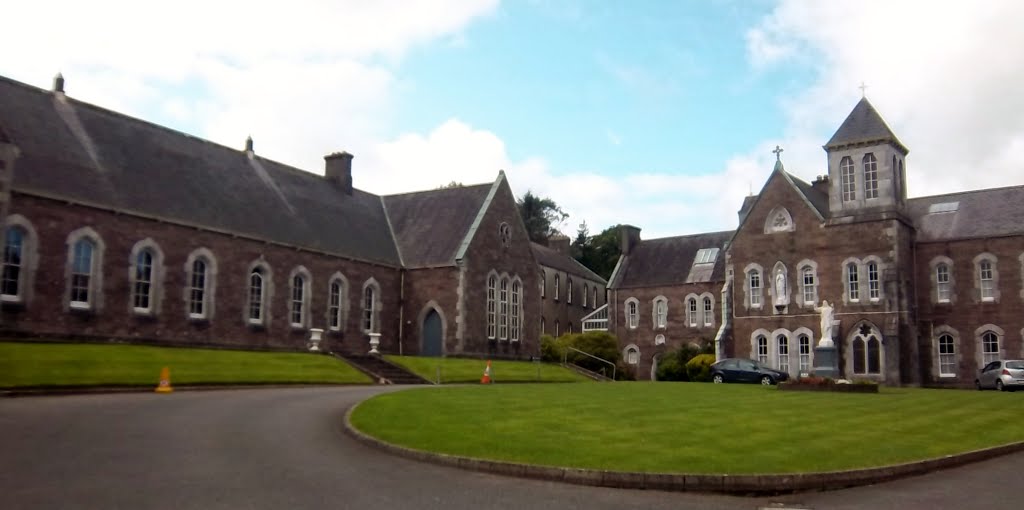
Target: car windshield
(1015, 364)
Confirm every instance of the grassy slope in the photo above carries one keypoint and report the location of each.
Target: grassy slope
(28, 364)
(456, 370)
(693, 427)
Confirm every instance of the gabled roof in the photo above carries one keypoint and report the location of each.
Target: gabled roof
(863, 125)
(558, 261)
(668, 261)
(75, 151)
(430, 226)
(815, 199)
(969, 214)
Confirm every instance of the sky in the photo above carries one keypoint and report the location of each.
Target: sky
(658, 114)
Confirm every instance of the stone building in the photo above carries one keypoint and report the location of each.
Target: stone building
(925, 290)
(116, 228)
(569, 291)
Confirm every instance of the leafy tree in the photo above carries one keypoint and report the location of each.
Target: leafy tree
(542, 216)
(452, 184)
(600, 253)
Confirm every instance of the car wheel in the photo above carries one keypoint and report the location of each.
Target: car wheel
(999, 386)
(766, 381)
(977, 384)
(717, 379)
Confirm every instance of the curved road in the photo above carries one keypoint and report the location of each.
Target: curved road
(284, 448)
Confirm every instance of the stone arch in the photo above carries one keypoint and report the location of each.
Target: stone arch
(343, 302)
(864, 350)
(779, 220)
(979, 350)
(156, 293)
(210, 292)
(266, 273)
(431, 345)
(936, 369)
(95, 287)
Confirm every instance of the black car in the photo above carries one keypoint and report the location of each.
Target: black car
(745, 370)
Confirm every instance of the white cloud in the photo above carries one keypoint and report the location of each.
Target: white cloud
(945, 76)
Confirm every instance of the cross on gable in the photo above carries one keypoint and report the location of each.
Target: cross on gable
(778, 152)
(863, 88)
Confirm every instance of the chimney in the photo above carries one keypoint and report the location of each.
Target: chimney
(630, 236)
(559, 242)
(58, 83)
(338, 170)
(821, 184)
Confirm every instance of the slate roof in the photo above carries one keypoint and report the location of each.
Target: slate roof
(667, 261)
(817, 198)
(982, 213)
(429, 226)
(863, 125)
(552, 258)
(79, 152)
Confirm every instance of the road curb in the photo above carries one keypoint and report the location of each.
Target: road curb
(97, 390)
(746, 484)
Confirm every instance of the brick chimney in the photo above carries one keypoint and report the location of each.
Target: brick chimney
(338, 170)
(630, 236)
(559, 242)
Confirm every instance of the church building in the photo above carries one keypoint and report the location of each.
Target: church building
(922, 290)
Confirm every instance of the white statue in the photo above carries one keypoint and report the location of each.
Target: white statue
(781, 296)
(827, 312)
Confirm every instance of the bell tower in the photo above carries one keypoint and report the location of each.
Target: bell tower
(865, 165)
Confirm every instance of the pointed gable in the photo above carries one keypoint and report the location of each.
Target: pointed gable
(863, 125)
(430, 226)
(772, 195)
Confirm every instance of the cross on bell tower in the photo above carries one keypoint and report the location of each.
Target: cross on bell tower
(778, 153)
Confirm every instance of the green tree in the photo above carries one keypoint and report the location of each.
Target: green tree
(541, 216)
(601, 252)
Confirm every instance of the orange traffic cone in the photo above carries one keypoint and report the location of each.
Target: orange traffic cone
(165, 381)
(486, 379)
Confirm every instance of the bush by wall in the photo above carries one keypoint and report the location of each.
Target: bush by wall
(698, 369)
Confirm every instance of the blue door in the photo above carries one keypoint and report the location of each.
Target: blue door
(432, 337)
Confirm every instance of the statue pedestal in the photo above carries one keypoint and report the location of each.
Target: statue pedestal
(826, 361)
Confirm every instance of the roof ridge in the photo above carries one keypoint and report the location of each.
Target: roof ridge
(966, 192)
(436, 190)
(688, 235)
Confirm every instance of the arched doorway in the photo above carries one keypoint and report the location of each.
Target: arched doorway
(433, 334)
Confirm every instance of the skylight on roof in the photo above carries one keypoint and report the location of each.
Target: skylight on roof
(705, 256)
(943, 207)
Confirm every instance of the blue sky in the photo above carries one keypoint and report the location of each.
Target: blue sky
(656, 113)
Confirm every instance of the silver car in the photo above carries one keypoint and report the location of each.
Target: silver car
(1002, 375)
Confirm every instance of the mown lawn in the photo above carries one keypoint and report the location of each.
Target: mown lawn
(44, 364)
(693, 427)
(459, 370)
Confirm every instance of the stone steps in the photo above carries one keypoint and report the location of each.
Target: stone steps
(381, 370)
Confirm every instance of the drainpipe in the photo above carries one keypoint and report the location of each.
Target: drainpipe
(401, 310)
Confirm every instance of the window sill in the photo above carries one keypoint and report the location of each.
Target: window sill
(8, 298)
(143, 312)
(988, 300)
(78, 305)
(947, 376)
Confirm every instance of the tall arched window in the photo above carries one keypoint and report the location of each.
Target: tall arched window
(201, 278)
(257, 295)
(142, 287)
(299, 307)
(543, 284)
(335, 293)
(867, 357)
(987, 280)
(568, 290)
(660, 313)
(556, 287)
(492, 284)
(14, 263)
(594, 296)
(586, 291)
(82, 273)
(805, 353)
(709, 317)
(942, 282)
(874, 286)
(874, 355)
(503, 310)
(853, 281)
(691, 312)
(809, 285)
(370, 309)
(754, 277)
(515, 312)
(870, 176)
(989, 347)
(858, 356)
(947, 356)
(848, 179)
(783, 346)
(632, 315)
(762, 349)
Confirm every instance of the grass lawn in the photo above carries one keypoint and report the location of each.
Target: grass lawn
(693, 427)
(40, 365)
(459, 370)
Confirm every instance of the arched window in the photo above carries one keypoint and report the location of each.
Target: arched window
(503, 309)
(18, 250)
(709, 316)
(632, 314)
(594, 296)
(370, 308)
(492, 284)
(632, 355)
(985, 276)
(201, 269)
(783, 346)
(853, 281)
(660, 312)
(858, 356)
(691, 312)
(870, 176)
(874, 355)
(300, 297)
(515, 311)
(586, 291)
(874, 287)
(989, 347)
(543, 327)
(142, 285)
(556, 287)
(257, 295)
(848, 180)
(942, 282)
(557, 333)
(805, 353)
(568, 290)
(754, 278)
(543, 284)
(82, 267)
(335, 297)
(947, 356)
(762, 349)
(867, 357)
(810, 287)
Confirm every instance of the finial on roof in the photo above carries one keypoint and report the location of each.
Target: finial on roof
(778, 153)
(248, 144)
(58, 83)
(863, 88)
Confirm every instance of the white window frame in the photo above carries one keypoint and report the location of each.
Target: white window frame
(754, 276)
(782, 352)
(556, 285)
(503, 284)
(870, 176)
(632, 354)
(804, 347)
(852, 270)
(691, 311)
(256, 299)
(515, 310)
(660, 308)
(761, 341)
(568, 290)
(985, 354)
(94, 277)
(947, 360)
(988, 340)
(848, 179)
(492, 312)
(142, 269)
(709, 311)
(300, 287)
(942, 282)
(337, 302)
(874, 281)
(371, 307)
(208, 289)
(586, 290)
(632, 310)
(26, 262)
(986, 279)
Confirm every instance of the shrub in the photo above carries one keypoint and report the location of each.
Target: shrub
(672, 365)
(596, 343)
(699, 367)
(551, 349)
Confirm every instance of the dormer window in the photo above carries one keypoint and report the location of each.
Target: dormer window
(705, 255)
(703, 265)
